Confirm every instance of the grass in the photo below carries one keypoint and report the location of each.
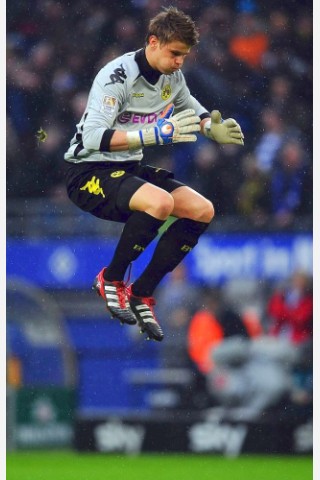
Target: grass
(68, 465)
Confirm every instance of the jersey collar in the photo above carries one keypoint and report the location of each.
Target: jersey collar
(149, 73)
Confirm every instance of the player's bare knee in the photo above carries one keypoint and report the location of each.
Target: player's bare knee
(163, 206)
(206, 212)
(209, 213)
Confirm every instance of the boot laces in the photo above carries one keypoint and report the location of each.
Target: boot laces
(121, 292)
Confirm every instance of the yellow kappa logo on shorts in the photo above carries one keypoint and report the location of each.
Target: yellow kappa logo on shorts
(117, 174)
(93, 186)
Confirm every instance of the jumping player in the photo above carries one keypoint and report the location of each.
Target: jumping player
(141, 99)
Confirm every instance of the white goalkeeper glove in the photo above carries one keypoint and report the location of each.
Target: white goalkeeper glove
(223, 131)
(169, 129)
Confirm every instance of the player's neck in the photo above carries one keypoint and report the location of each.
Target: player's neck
(150, 59)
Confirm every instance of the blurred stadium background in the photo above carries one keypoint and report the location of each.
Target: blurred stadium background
(233, 376)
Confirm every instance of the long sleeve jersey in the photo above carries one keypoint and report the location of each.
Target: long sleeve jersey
(126, 94)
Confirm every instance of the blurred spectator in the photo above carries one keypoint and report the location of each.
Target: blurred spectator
(280, 93)
(209, 326)
(290, 317)
(204, 174)
(78, 104)
(270, 141)
(48, 160)
(128, 34)
(216, 173)
(176, 290)
(303, 36)
(289, 183)
(253, 194)
(282, 89)
(177, 301)
(280, 35)
(301, 394)
(249, 40)
(290, 309)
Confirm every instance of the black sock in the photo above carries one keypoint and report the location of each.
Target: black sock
(140, 229)
(173, 246)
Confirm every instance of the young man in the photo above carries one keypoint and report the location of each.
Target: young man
(137, 100)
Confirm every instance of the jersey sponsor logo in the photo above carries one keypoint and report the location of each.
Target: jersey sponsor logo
(127, 117)
(117, 174)
(118, 76)
(108, 105)
(166, 92)
(93, 186)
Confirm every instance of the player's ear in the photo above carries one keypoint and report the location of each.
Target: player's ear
(153, 41)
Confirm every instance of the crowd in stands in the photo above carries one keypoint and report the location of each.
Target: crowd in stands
(253, 63)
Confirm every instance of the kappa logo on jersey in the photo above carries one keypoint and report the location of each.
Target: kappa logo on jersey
(166, 92)
(118, 76)
(108, 105)
(93, 186)
(117, 174)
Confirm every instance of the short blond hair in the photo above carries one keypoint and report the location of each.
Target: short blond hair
(171, 25)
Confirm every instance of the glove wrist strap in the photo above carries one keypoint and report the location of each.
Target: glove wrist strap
(142, 138)
(207, 130)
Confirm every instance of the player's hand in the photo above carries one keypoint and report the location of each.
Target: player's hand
(223, 131)
(177, 128)
(169, 129)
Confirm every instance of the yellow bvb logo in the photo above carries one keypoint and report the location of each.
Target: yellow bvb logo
(93, 186)
(166, 92)
(117, 174)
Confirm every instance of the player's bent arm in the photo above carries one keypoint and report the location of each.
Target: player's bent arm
(119, 140)
(168, 129)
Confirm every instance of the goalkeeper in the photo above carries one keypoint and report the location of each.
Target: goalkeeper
(137, 100)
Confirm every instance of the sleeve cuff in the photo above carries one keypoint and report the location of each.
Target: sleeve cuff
(205, 115)
(105, 140)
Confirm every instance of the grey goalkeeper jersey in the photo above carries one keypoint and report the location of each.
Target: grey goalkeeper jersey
(121, 98)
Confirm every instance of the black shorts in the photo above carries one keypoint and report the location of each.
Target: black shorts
(105, 189)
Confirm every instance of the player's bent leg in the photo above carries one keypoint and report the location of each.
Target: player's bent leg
(152, 200)
(176, 242)
(152, 206)
(190, 204)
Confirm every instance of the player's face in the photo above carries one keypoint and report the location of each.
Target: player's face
(166, 58)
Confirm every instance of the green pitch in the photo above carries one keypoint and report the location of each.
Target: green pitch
(75, 466)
